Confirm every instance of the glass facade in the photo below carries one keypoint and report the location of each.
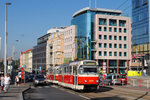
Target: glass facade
(140, 25)
(85, 30)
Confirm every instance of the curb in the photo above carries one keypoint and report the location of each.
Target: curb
(21, 95)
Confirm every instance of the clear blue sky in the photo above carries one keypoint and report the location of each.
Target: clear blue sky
(30, 19)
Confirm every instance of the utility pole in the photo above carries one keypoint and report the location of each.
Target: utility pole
(95, 3)
(0, 47)
(89, 3)
(5, 49)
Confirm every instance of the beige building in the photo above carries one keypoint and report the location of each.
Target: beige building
(55, 49)
(113, 42)
(69, 43)
(26, 60)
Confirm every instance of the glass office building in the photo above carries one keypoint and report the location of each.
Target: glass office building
(85, 37)
(140, 26)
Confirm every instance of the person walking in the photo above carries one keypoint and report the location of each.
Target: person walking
(19, 75)
(2, 82)
(7, 83)
(17, 81)
(144, 72)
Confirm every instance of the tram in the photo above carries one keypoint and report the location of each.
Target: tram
(77, 75)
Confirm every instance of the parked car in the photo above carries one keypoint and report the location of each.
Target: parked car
(123, 79)
(110, 79)
(26, 77)
(30, 78)
(39, 80)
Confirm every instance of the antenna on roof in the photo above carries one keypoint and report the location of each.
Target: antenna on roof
(95, 3)
(89, 3)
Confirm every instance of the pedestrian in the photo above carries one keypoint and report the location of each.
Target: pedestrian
(6, 83)
(144, 72)
(2, 82)
(19, 74)
(17, 81)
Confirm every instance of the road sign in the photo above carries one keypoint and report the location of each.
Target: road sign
(40, 68)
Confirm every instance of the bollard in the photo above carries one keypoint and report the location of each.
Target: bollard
(147, 84)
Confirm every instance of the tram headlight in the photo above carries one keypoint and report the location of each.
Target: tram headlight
(97, 81)
(85, 81)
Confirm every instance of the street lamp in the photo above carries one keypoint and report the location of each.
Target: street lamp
(13, 50)
(5, 49)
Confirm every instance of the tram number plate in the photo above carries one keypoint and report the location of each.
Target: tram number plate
(91, 80)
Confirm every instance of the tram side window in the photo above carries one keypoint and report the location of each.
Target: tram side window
(70, 69)
(65, 70)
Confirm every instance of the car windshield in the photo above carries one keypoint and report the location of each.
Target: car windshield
(88, 70)
(123, 76)
(39, 76)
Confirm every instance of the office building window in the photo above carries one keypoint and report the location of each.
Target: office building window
(110, 53)
(115, 37)
(110, 29)
(115, 45)
(115, 29)
(125, 54)
(105, 45)
(115, 53)
(120, 37)
(105, 29)
(125, 30)
(100, 28)
(105, 53)
(110, 37)
(112, 22)
(125, 46)
(100, 53)
(102, 21)
(110, 45)
(120, 54)
(105, 37)
(120, 45)
(125, 38)
(100, 45)
(122, 23)
(120, 30)
(100, 36)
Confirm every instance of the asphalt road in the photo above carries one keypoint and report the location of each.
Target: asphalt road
(51, 93)
(55, 92)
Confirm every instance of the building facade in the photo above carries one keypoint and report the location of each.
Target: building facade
(104, 35)
(26, 60)
(69, 44)
(39, 54)
(141, 33)
(55, 49)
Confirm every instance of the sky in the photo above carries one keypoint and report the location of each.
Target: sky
(28, 20)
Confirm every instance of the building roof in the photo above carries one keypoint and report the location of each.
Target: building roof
(26, 51)
(96, 10)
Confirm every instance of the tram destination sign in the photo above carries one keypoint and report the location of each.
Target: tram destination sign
(89, 63)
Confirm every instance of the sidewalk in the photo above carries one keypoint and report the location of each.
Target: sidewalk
(14, 93)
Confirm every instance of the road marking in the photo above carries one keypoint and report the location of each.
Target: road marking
(84, 97)
(39, 87)
(54, 86)
(46, 86)
(71, 92)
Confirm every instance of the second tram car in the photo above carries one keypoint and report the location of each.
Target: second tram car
(78, 75)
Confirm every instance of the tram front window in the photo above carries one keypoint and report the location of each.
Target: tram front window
(87, 70)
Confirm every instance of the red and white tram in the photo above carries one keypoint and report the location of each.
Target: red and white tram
(78, 75)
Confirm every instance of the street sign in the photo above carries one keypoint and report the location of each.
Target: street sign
(40, 68)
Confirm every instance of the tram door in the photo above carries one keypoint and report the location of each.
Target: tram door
(75, 75)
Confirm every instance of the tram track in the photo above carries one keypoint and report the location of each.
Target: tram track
(126, 94)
